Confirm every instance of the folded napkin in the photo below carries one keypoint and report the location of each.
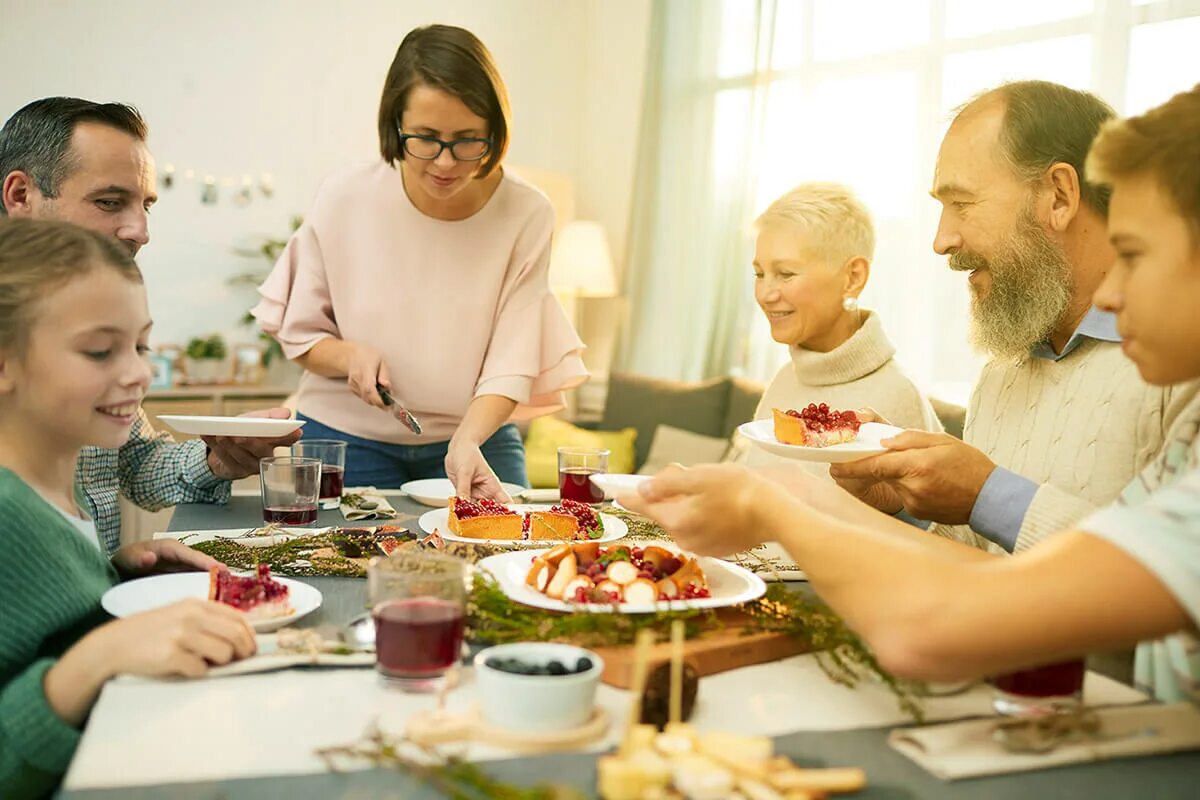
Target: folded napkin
(366, 502)
(970, 749)
(770, 562)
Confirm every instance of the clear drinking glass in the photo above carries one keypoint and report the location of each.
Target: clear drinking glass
(332, 455)
(418, 602)
(576, 466)
(1048, 689)
(290, 486)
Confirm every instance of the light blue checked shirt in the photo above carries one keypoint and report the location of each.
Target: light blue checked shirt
(152, 470)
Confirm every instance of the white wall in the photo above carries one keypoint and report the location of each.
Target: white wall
(291, 88)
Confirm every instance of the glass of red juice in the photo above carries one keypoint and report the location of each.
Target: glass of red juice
(289, 489)
(332, 455)
(418, 602)
(1048, 689)
(576, 466)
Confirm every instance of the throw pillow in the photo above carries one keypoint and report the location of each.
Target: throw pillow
(643, 403)
(547, 434)
(744, 395)
(675, 445)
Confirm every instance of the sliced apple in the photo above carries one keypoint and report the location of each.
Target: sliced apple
(539, 574)
(668, 587)
(585, 553)
(574, 585)
(689, 573)
(562, 576)
(653, 554)
(622, 572)
(642, 592)
(556, 554)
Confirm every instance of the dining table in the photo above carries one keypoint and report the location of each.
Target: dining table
(257, 735)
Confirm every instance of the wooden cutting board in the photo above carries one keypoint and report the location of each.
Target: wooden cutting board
(716, 651)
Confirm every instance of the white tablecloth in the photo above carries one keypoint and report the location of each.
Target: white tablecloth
(154, 732)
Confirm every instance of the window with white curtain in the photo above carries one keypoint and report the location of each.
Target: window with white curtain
(860, 91)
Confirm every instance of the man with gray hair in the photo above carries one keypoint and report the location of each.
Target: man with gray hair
(87, 163)
(1059, 421)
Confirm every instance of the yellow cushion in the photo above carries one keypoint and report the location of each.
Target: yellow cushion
(547, 434)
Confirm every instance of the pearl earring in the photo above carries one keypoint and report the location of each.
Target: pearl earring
(850, 303)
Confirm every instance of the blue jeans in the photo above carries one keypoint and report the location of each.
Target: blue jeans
(386, 466)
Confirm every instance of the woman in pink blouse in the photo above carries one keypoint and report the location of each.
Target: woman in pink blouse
(426, 273)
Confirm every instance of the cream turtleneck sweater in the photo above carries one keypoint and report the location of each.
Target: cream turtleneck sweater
(858, 373)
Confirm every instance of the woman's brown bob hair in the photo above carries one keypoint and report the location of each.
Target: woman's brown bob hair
(456, 62)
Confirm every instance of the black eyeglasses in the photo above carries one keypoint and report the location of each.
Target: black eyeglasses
(428, 148)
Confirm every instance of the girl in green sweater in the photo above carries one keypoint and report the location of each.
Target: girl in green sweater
(73, 329)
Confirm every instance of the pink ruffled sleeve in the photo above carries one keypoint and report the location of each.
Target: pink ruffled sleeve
(534, 354)
(295, 307)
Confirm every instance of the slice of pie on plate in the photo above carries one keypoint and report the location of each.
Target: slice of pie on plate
(569, 520)
(815, 426)
(484, 519)
(259, 596)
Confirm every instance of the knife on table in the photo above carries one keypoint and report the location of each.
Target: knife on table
(398, 410)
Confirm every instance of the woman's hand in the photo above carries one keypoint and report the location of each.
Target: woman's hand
(714, 509)
(468, 470)
(160, 555)
(365, 369)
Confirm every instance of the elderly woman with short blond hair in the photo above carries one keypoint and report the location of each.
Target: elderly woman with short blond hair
(812, 260)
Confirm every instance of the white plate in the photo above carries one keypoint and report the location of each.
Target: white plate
(762, 433)
(728, 584)
(146, 594)
(438, 491)
(614, 485)
(232, 426)
(439, 520)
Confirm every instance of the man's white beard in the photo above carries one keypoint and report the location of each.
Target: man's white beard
(1030, 291)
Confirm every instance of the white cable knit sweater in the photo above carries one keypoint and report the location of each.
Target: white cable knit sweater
(858, 373)
(1082, 427)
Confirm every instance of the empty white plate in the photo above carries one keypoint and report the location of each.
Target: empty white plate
(615, 484)
(147, 594)
(438, 491)
(761, 433)
(232, 426)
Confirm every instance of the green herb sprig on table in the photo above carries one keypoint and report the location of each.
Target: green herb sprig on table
(493, 617)
(456, 778)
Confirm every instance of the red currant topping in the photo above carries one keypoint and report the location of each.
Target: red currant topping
(821, 417)
(466, 509)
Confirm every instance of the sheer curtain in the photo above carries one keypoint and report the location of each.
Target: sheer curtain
(687, 261)
(747, 98)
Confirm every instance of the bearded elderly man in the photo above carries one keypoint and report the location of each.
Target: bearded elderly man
(1059, 421)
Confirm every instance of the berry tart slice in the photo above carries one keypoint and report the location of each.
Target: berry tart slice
(259, 595)
(570, 520)
(816, 426)
(484, 519)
